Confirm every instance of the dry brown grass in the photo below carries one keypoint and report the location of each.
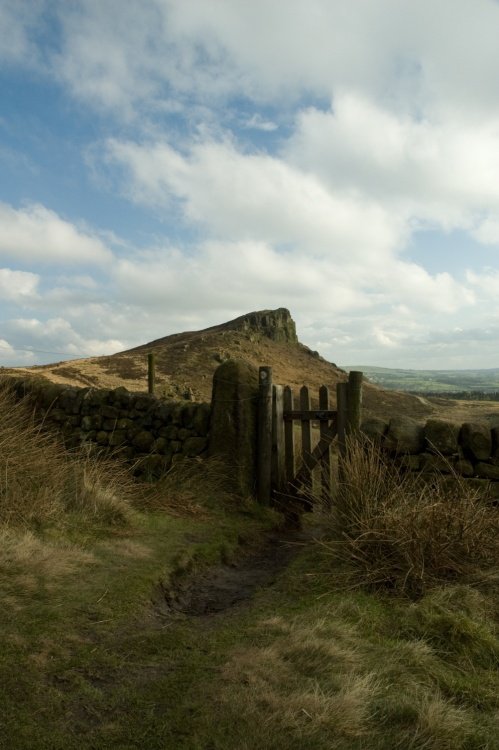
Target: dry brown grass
(406, 533)
(40, 482)
(188, 486)
(22, 551)
(322, 682)
(309, 681)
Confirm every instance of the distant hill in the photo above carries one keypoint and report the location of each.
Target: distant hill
(432, 381)
(185, 363)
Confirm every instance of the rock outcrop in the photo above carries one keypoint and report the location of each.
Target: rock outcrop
(277, 325)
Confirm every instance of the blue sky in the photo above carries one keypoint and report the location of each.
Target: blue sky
(170, 164)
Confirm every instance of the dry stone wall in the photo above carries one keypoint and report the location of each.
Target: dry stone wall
(153, 434)
(470, 450)
(149, 432)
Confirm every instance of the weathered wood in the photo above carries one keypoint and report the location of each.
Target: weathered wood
(151, 371)
(322, 446)
(342, 406)
(331, 424)
(278, 459)
(306, 434)
(354, 402)
(264, 456)
(288, 436)
(316, 415)
(326, 458)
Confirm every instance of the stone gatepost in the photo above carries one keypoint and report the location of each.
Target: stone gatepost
(233, 426)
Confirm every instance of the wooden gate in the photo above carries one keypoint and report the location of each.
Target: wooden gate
(279, 479)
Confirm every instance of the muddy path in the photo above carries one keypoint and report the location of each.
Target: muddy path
(228, 585)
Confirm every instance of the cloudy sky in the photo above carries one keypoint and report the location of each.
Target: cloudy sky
(167, 165)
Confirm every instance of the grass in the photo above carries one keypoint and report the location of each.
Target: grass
(90, 660)
(321, 668)
(41, 484)
(402, 532)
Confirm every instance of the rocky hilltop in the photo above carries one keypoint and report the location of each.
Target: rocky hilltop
(276, 325)
(185, 363)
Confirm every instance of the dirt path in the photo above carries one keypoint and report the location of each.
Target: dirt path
(225, 586)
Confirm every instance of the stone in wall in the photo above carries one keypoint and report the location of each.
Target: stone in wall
(487, 471)
(408, 462)
(435, 463)
(495, 442)
(441, 437)
(464, 468)
(374, 428)
(404, 435)
(139, 427)
(476, 441)
(194, 446)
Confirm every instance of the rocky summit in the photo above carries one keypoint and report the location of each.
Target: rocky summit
(277, 325)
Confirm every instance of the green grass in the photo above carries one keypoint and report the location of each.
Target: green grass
(90, 660)
(85, 652)
(322, 668)
(87, 661)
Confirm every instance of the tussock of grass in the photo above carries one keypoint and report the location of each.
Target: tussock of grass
(323, 679)
(189, 487)
(401, 532)
(30, 566)
(457, 622)
(40, 482)
(101, 488)
(20, 549)
(380, 671)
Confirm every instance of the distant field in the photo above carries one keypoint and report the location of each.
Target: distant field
(431, 381)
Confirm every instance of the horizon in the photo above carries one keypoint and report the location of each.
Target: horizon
(166, 166)
(420, 369)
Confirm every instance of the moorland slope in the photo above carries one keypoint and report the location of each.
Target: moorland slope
(185, 363)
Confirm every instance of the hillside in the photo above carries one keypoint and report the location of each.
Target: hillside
(185, 363)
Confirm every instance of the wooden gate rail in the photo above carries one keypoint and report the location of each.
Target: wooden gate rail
(277, 475)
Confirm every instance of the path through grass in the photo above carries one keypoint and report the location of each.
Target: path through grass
(89, 661)
(91, 656)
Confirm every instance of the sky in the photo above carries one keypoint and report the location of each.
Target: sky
(167, 165)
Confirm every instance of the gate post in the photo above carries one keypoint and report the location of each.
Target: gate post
(151, 371)
(342, 408)
(326, 458)
(349, 404)
(278, 452)
(354, 401)
(264, 451)
(233, 424)
(289, 447)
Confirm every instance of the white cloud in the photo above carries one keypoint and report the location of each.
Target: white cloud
(257, 122)
(385, 339)
(18, 286)
(18, 19)
(487, 284)
(414, 54)
(411, 285)
(239, 196)
(7, 353)
(57, 336)
(441, 172)
(487, 230)
(36, 234)
(410, 140)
